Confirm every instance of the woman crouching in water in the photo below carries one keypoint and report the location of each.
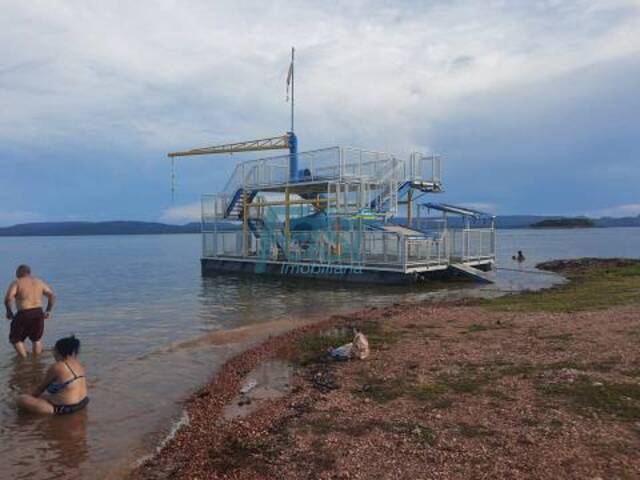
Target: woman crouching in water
(64, 387)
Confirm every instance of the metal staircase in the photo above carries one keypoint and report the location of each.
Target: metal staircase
(234, 208)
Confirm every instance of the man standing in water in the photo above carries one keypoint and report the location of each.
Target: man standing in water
(28, 322)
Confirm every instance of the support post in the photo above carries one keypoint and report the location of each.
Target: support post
(245, 223)
(293, 157)
(287, 215)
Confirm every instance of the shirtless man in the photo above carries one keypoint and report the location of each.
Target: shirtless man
(28, 322)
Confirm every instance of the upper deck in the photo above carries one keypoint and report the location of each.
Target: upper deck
(318, 168)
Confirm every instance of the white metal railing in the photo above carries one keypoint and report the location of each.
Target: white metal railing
(335, 163)
(214, 206)
(364, 248)
(383, 173)
(423, 168)
(471, 244)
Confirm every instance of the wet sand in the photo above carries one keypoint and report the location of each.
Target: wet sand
(450, 391)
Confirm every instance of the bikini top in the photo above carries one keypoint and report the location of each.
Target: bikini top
(54, 388)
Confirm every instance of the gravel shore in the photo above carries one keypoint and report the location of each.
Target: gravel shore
(450, 391)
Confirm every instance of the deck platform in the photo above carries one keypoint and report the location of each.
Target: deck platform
(370, 274)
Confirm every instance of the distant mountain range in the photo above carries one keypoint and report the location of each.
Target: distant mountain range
(95, 228)
(154, 228)
(525, 221)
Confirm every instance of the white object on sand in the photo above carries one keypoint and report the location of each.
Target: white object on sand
(249, 385)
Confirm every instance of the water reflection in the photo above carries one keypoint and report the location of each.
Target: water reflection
(60, 443)
(26, 373)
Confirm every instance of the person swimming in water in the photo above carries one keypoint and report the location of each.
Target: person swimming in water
(520, 256)
(64, 387)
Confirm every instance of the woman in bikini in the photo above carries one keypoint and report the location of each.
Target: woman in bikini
(64, 388)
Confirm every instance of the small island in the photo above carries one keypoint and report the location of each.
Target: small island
(581, 222)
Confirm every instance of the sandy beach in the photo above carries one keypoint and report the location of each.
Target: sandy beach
(536, 385)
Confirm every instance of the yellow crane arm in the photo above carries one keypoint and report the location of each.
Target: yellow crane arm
(273, 143)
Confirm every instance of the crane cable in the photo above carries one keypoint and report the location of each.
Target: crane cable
(173, 179)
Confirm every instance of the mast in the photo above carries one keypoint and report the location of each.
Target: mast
(293, 140)
(293, 52)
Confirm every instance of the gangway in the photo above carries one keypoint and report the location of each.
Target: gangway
(470, 272)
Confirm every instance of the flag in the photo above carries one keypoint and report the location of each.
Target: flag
(289, 78)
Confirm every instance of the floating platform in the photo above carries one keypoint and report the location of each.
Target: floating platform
(346, 273)
(343, 214)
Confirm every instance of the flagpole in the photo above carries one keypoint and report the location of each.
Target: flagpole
(292, 85)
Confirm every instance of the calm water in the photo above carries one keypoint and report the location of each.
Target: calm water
(133, 300)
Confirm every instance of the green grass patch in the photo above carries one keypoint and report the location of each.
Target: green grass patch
(632, 372)
(571, 364)
(468, 381)
(319, 425)
(424, 434)
(599, 285)
(414, 431)
(474, 431)
(619, 399)
(561, 337)
(443, 403)
(381, 334)
(530, 422)
(499, 395)
(311, 347)
(429, 391)
(523, 369)
(555, 423)
(475, 327)
(383, 391)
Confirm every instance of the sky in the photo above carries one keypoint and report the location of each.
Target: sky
(533, 106)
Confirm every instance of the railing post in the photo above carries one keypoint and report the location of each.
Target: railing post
(466, 245)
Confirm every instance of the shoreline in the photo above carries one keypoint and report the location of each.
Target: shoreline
(228, 443)
(207, 402)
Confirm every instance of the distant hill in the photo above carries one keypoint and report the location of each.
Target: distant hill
(95, 228)
(579, 222)
(526, 221)
(521, 221)
(155, 228)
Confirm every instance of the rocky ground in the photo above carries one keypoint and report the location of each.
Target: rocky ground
(492, 390)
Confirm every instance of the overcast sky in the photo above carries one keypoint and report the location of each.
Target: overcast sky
(534, 105)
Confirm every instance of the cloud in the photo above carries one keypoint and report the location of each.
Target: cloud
(183, 73)
(627, 210)
(102, 90)
(182, 214)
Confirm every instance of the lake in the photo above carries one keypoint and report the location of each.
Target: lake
(139, 304)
